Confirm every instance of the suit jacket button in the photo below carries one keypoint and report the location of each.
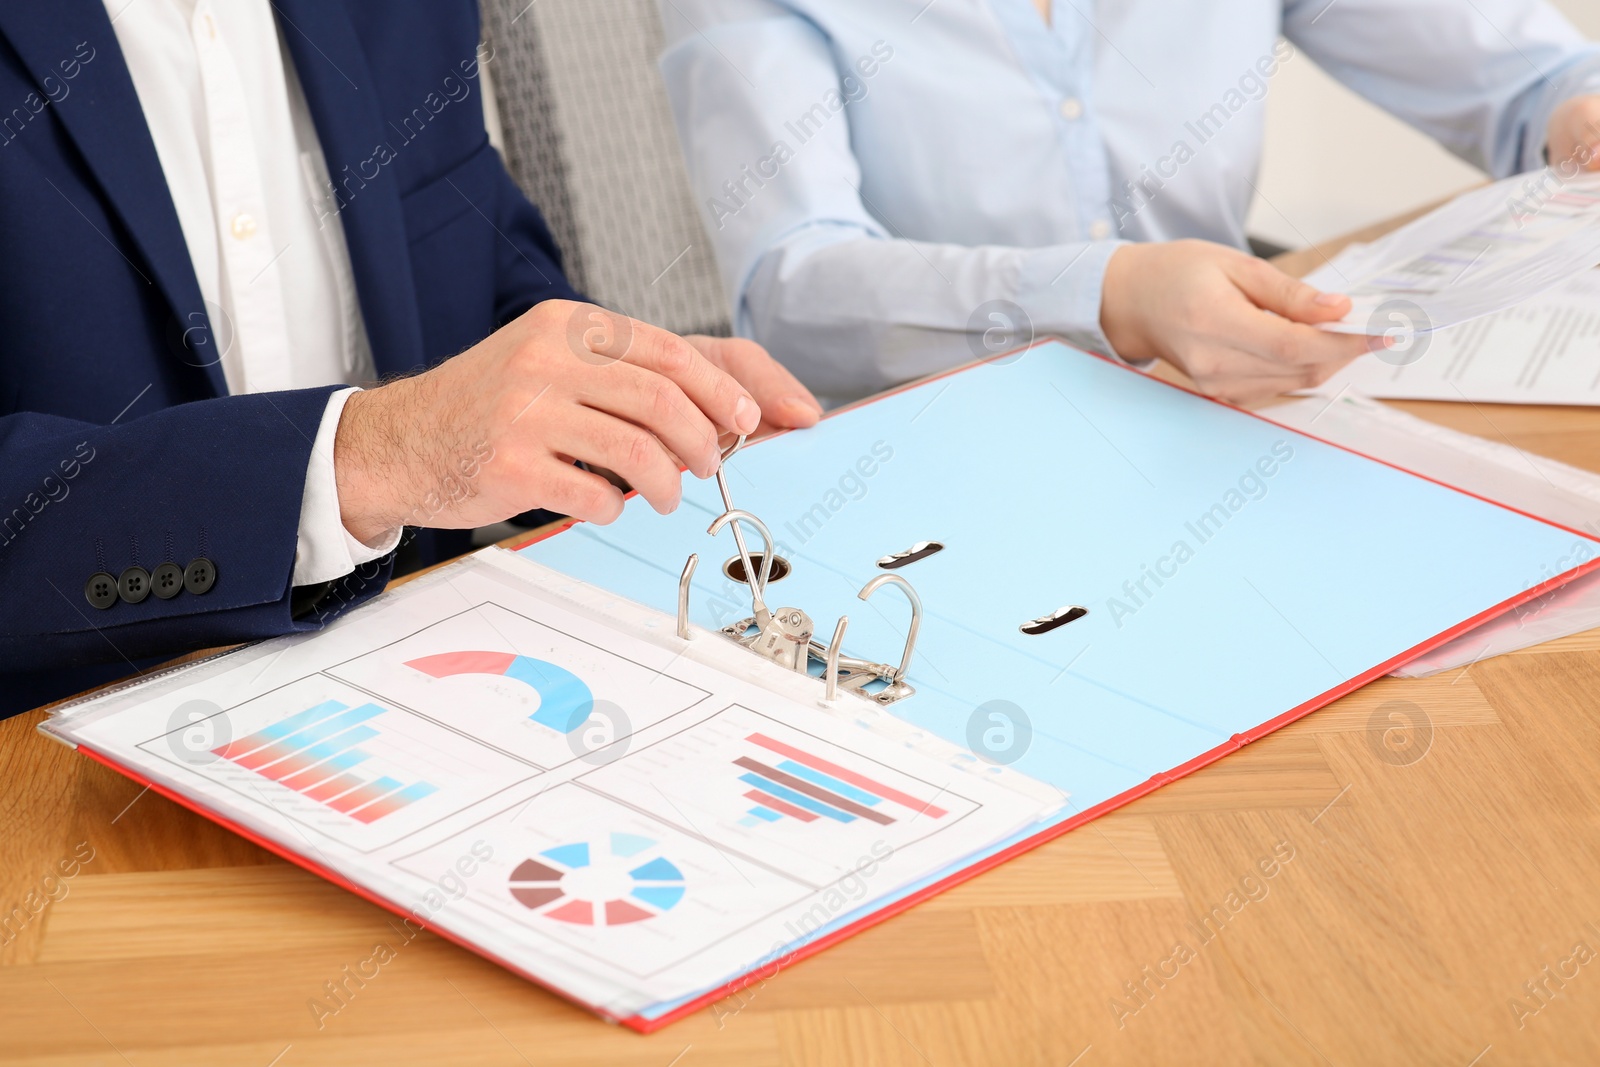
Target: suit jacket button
(166, 581)
(101, 590)
(134, 585)
(200, 575)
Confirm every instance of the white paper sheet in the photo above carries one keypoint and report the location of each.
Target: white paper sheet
(1545, 350)
(1531, 483)
(1485, 251)
(548, 773)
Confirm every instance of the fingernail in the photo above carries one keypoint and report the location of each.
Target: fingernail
(746, 416)
(800, 406)
(1327, 299)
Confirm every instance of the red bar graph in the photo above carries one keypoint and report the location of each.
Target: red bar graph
(365, 795)
(332, 787)
(304, 780)
(312, 752)
(392, 803)
(844, 774)
(254, 761)
(290, 765)
(781, 807)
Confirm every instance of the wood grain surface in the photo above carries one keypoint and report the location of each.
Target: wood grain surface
(1350, 890)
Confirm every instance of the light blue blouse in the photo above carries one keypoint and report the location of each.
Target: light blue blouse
(885, 180)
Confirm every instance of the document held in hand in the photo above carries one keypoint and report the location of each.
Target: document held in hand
(1485, 251)
(1546, 350)
(646, 784)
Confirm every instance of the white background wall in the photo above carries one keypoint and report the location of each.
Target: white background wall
(1334, 162)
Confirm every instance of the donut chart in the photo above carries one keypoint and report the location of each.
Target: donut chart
(565, 701)
(598, 884)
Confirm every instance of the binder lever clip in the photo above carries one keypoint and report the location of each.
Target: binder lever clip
(786, 636)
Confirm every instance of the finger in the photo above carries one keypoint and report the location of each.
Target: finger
(1248, 391)
(576, 492)
(1586, 134)
(655, 404)
(631, 451)
(1573, 139)
(713, 391)
(1271, 289)
(784, 402)
(1235, 375)
(1251, 391)
(1319, 375)
(1290, 344)
(769, 427)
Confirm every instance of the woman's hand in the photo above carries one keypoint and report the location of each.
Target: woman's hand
(1240, 327)
(1573, 138)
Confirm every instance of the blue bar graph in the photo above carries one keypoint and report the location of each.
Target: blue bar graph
(799, 800)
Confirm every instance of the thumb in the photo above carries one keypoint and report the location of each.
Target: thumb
(1573, 139)
(784, 402)
(1270, 289)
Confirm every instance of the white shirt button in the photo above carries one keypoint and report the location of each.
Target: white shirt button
(243, 225)
(1072, 109)
(1100, 229)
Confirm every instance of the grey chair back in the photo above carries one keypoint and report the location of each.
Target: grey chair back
(589, 136)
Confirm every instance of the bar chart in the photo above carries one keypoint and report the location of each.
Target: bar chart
(317, 754)
(782, 795)
(330, 757)
(806, 787)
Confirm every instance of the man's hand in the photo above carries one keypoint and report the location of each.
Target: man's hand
(785, 403)
(1241, 328)
(494, 431)
(1573, 139)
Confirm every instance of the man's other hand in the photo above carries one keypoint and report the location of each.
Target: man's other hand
(785, 403)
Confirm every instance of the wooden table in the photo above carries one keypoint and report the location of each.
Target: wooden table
(1434, 899)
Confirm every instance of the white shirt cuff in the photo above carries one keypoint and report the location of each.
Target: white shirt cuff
(325, 550)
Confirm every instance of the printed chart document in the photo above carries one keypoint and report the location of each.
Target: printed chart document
(545, 773)
(1545, 350)
(1485, 251)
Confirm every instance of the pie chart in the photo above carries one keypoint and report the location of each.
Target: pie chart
(565, 701)
(603, 883)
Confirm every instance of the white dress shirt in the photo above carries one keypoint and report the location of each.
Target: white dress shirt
(248, 179)
(879, 179)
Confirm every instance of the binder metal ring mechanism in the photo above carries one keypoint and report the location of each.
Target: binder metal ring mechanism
(786, 636)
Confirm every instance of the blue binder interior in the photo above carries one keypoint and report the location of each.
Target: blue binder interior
(1219, 595)
(1232, 569)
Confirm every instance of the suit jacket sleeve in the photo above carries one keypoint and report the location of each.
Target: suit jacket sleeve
(529, 267)
(219, 479)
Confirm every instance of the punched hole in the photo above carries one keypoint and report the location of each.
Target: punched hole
(920, 550)
(734, 568)
(1053, 621)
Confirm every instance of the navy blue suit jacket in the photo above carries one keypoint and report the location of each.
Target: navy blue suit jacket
(119, 446)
